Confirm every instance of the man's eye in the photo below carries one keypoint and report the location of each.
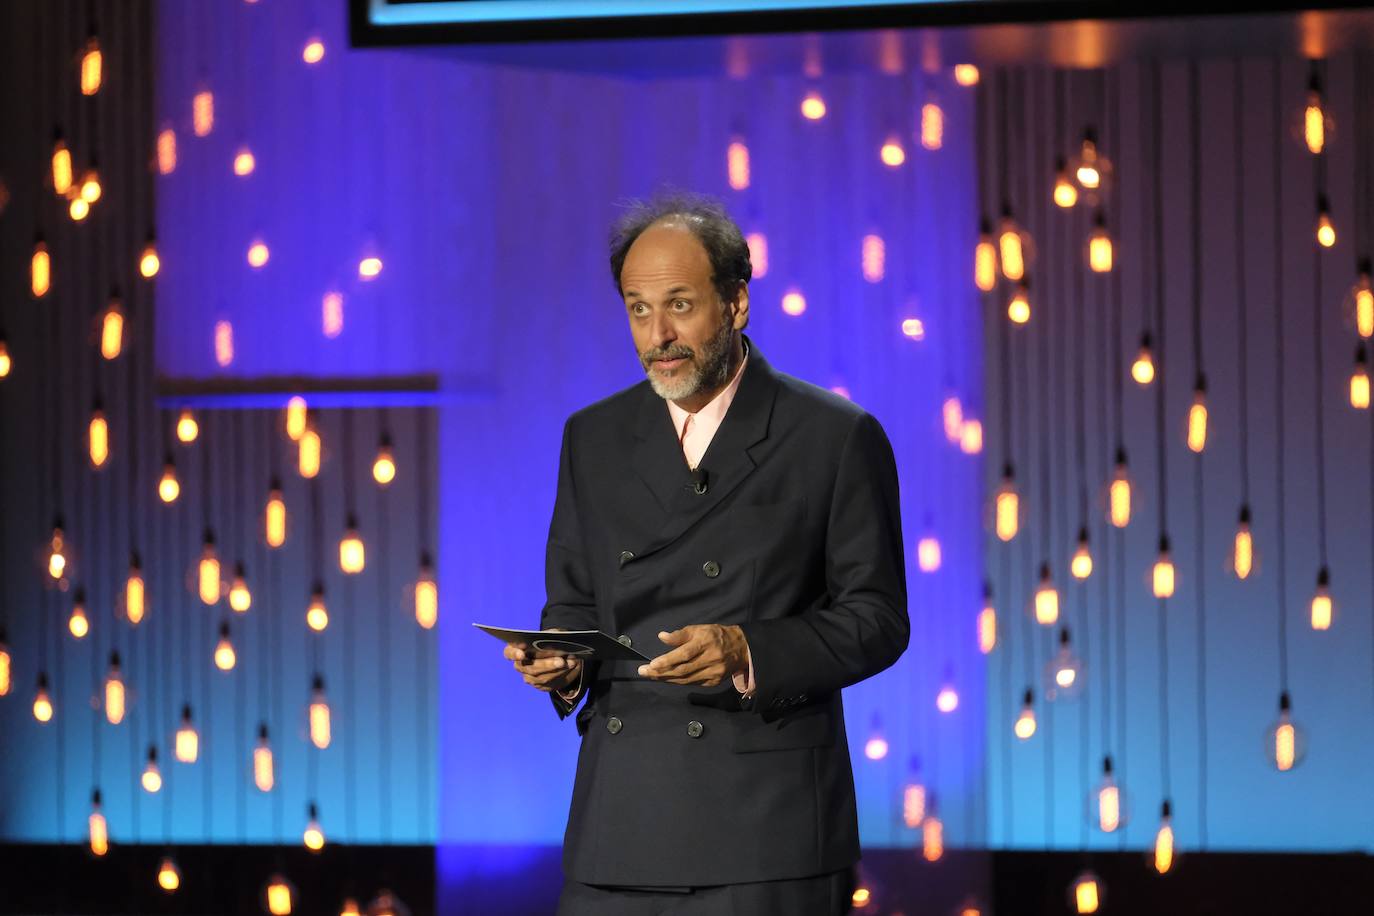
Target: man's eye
(681, 304)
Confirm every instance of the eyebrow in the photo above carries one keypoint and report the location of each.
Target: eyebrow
(672, 291)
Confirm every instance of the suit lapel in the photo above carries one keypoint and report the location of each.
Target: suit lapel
(658, 461)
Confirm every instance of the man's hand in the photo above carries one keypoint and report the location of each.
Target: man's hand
(706, 654)
(554, 672)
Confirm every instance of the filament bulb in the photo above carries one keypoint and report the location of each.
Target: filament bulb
(1164, 842)
(1197, 417)
(985, 260)
(1359, 380)
(1025, 722)
(1322, 608)
(987, 623)
(426, 595)
(1010, 248)
(1046, 598)
(1019, 308)
(1065, 193)
(1243, 547)
(1162, 578)
(1081, 566)
(1143, 369)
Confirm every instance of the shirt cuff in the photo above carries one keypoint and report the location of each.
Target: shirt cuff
(745, 684)
(576, 689)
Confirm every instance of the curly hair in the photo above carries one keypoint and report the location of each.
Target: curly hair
(706, 218)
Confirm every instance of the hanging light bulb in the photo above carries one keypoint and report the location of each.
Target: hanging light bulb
(166, 151)
(1314, 122)
(1119, 493)
(225, 658)
(90, 185)
(932, 838)
(875, 748)
(1007, 510)
(987, 622)
(928, 553)
(313, 52)
(966, 74)
(1046, 598)
(98, 832)
(350, 908)
(187, 738)
(296, 416)
(152, 776)
(1143, 369)
(1243, 546)
(1326, 230)
(1359, 380)
(1164, 852)
(1081, 566)
(314, 835)
(79, 208)
(1285, 743)
(1162, 578)
(793, 303)
(813, 106)
(369, 267)
(1108, 811)
(319, 714)
(258, 253)
(1019, 309)
(985, 259)
(209, 570)
(384, 466)
(873, 258)
(426, 594)
(98, 436)
(168, 877)
(203, 113)
(6, 664)
(40, 269)
(1362, 294)
(1100, 247)
(947, 700)
(240, 598)
(61, 166)
(332, 317)
(263, 775)
(1065, 193)
(1322, 608)
(187, 427)
(6, 362)
(57, 551)
(1197, 416)
(758, 253)
(168, 489)
(1011, 248)
(971, 437)
(274, 516)
(308, 461)
(316, 615)
(1090, 166)
(42, 702)
(112, 327)
(914, 797)
(78, 624)
(279, 896)
(952, 413)
(114, 692)
(1064, 673)
(892, 152)
(1025, 722)
(148, 262)
(932, 126)
(351, 553)
(737, 164)
(90, 67)
(1087, 893)
(244, 162)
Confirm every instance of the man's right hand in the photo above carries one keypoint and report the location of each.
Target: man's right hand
(556, 672)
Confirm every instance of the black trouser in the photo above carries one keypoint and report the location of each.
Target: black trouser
(818, 895)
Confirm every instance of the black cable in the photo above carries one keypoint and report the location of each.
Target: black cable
(1319, 177)
(1157, 150)
(1242, 305)
(423, 481)
(350, 635)
(1195, 107)
(384, 644)
(1281, 526)
(241, 733)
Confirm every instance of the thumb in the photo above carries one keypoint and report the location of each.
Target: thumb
(675, 638)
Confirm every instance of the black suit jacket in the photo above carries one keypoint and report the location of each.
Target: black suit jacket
(797, 539)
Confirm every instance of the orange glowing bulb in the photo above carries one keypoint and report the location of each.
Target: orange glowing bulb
(168, 489)
(928, 553)
(274, 517)
(313, 52)
(1359, 381)
(932, 126)
(813, 106)
(758, 254)
(264, 776)
(351, 552)
(5, 666)
(873, 258)
(1065, 192)
(296, 416)
(1243, 547)
(203, 113)
(1007, 506)
(224, 343)
(149, 263)
(225, 657)
(426, 595)
(1019, 308)
(61, 167)
(932, 838)
(208, 571)
(369, 268)
(1164, 843)
(114, 692)
(279, 894)
(258, 253)
(891, 153)
(187, 427)
(737, 164)
(90, 186)
(187, 741)
(91, 67)
(1011, 250)
(1046, 598)
(1364, 303)
(112, 329)
(384, 466)
(793, 303)
(1025, 722)
(1197, 419)
(78, 624)
(42, 702)
(985, 260)
(308, 457)
(332, 317)
(1086, 894)
(1100, 253)
(98, 831)
(57, 557)
(6, 362)
(1322, 609)
(1081, 566)
(914, 804)
(168, 878)
(1119, 493)
(244, 162)
(1314, 121)
(166, 151)
(987, 627)
(966, 74)
(151, 778)
(319, 715)
(40, 270)
(1162, 576)
(98, 438)
(1143, 369)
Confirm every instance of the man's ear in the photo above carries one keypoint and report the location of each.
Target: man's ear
(740, 308)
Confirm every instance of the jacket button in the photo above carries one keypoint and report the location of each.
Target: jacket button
(711, 568)
(623, 640)
(626, 556)
(614, 725)
(694, 729)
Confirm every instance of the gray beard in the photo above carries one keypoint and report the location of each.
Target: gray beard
(704, 371)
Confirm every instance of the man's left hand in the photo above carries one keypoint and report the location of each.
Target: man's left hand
(706, 654)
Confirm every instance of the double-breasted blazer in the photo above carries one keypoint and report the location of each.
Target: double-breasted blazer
(791, 529)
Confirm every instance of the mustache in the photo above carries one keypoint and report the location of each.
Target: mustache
(676, 352)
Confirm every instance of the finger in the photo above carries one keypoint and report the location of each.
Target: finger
(541, 665)
(689, 669)
(668, 660)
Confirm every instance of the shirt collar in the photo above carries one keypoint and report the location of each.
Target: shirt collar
(714, 410)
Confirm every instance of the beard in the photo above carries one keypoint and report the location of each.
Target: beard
(703, 371)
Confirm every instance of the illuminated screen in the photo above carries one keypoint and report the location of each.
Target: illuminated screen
(460, 21)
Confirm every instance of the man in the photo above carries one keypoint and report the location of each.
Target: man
(740, 527)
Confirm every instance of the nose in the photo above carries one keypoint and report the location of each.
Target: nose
(661, 331)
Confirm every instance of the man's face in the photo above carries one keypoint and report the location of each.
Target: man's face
(681, 330)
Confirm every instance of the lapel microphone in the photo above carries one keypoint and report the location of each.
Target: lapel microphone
(699, 480)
